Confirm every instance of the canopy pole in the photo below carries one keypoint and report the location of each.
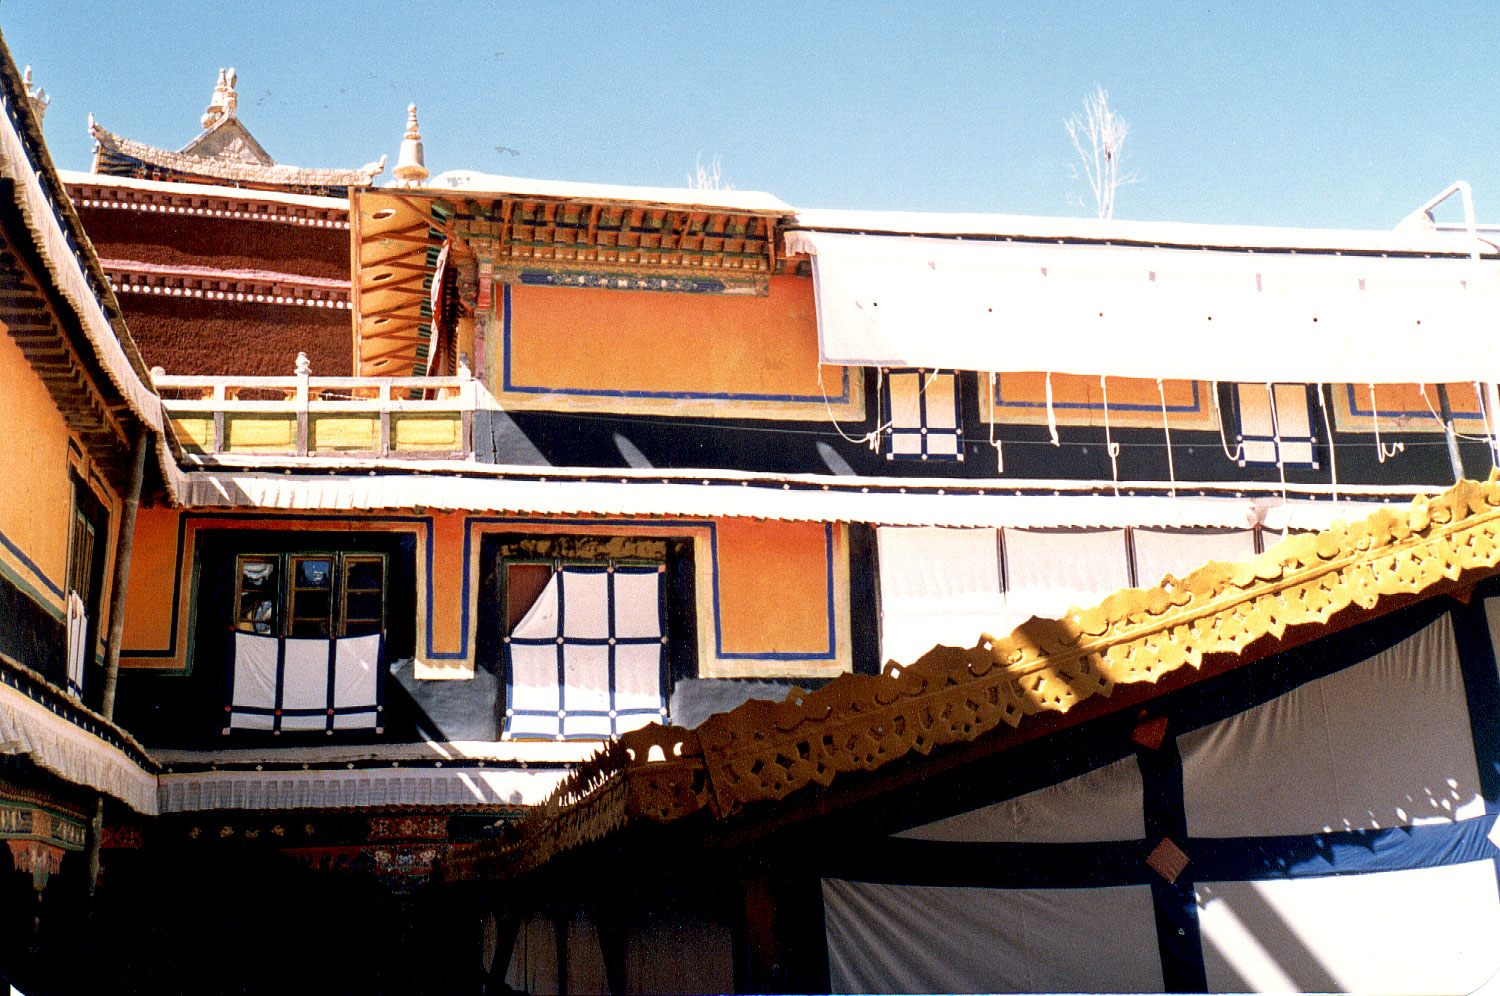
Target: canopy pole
(124, 541)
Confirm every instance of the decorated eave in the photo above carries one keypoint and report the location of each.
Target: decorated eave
(504, 230)
(94, 191)
(58, 734)
(57, 305)
(766, 752)
(117, 156)
(128, 276)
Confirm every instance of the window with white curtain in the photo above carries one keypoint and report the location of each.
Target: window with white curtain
(585, 657)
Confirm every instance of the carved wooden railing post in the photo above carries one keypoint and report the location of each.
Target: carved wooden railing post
(304, 372)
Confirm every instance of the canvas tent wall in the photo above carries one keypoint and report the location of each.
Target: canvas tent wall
(1335, 806)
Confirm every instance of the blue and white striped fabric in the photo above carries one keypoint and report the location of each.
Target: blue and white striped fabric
(586, 661)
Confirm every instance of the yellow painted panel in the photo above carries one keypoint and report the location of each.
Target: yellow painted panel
(1079, 400)
(273, 433)
(195, 432)
(345, 432)
(773, 587)
(36, 495)
(426, 432)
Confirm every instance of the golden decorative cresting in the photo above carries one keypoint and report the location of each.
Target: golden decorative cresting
(762, 751)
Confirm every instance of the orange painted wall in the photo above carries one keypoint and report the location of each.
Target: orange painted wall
(773, 586)
(36, 496)
(1024, 397)
(153, 567)
(1402, 408)
(772, 582)
(571, 338)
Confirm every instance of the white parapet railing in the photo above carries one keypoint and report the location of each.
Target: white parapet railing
(308, 416)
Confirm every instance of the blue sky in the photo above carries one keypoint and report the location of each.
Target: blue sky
(1290, 113)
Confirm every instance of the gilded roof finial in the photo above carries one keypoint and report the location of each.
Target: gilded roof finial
(224, 101)
(410, 169)
(38, 96)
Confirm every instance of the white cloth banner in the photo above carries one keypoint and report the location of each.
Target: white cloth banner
(944, 586)
(1125, 311)
(1179, 553)
(1048, 572)
(937, 586)
(1338, 753)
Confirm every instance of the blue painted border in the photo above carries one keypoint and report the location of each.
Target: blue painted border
(1357, 412)
(509, 386)
(1194, 409)
(654, 523)
(30, 565)
(424, 524)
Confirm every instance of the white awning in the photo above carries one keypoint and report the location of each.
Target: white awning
(953, 505)
(55, 743)
(1130, 311)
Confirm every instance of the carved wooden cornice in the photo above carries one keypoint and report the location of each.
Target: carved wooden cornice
(765, 751)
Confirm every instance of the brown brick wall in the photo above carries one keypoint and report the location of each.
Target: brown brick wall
(194, 336)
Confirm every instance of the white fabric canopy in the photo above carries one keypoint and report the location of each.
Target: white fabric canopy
(1128, 311)
(919, 939)
(1336, 753)
(1102, 804)
(60, 746)
(1419, 930)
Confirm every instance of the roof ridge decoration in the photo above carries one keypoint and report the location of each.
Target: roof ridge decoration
(762, 751)
(225, 151)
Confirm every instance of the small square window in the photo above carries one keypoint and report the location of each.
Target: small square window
(922, 415)
(1275, 426)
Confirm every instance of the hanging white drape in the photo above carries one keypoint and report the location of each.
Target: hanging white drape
(1127, 311)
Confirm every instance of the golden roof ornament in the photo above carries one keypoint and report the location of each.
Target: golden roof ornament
(410, 170)
(225, 100)
(37, 96)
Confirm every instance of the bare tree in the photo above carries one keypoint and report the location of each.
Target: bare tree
(1098, 136)
(707, 177)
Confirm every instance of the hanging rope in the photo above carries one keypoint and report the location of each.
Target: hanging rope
(1167, 428)
(1051, 415)
(1422, 388)
(1489, 428)
(1110, 446)
(999, 454)
(1333, 460)
(871, 438)
(1397, 447)
(1239, 448)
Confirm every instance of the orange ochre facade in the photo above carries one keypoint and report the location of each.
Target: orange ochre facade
(36, 491)
(772, 597)
(647, 352)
